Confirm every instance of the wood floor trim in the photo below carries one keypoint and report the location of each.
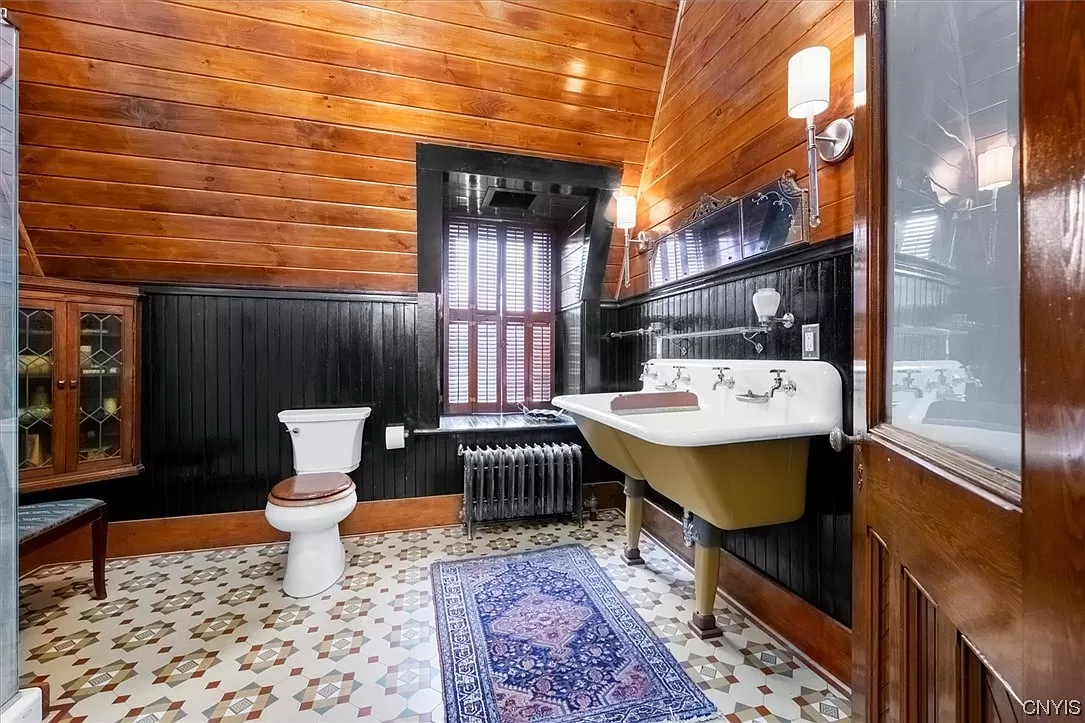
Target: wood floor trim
(822, 640)
(233, 529)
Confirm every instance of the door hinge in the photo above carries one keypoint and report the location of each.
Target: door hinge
(859, 475)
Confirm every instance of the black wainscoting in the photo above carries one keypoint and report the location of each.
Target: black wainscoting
(218, 366)
(812, 556)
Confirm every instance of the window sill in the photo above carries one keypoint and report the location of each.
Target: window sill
(495, 422)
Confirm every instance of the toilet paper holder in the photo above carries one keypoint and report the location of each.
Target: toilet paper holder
(395, 436)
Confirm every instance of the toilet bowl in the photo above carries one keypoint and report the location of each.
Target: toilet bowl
(327, 444)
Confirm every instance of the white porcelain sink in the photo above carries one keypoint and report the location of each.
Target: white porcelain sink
(740, 459)
(737, 461)
(814, 409)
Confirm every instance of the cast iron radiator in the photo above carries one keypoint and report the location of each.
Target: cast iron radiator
(509, 483)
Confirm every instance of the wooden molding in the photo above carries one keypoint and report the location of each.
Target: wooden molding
(26, 246)
(80, 289)
(818, 637)
(78, 478)
(232, 529)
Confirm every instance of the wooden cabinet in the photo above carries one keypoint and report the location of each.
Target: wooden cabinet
(77, 382)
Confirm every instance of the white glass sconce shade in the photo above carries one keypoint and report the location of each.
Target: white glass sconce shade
(765, 303)
(994, 168)
(808, 82)
(627, 211)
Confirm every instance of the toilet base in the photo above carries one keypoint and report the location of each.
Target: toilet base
(314, 562)
(315, 557)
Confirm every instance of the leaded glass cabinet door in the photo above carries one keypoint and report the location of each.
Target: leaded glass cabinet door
(101, 385)
(41, 387)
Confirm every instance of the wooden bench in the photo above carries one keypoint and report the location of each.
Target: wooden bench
(41, 523)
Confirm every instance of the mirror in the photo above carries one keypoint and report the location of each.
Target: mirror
(722, 233)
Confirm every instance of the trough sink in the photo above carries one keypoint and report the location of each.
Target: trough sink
(738, 461)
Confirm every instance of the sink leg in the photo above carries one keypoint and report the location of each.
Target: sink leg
(706, 575)
(634, 514)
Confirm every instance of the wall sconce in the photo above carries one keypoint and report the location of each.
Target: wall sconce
(766, 302)
(807, 96)
(627, 219)
(994, 168)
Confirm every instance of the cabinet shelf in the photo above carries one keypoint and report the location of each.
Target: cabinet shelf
(30, 415)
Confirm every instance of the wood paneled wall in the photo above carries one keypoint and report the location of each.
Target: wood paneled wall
(240, 142)
(722, 125)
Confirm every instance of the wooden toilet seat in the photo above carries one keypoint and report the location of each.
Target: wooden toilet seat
(305, 490)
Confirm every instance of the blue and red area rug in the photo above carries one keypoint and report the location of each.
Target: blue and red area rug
(545, 636)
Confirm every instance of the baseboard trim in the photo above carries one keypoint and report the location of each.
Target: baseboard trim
(233, 529)
(819, 638)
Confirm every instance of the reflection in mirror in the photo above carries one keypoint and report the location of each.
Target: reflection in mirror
(952, 131)
(721, 233)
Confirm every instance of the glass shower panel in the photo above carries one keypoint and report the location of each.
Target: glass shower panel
(9, 422)
(952, 107)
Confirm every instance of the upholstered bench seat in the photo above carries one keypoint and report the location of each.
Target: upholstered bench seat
(41, 523)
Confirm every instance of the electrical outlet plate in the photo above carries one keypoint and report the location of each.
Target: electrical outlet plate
(811, 341)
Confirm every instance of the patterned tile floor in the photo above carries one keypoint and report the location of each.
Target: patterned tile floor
(209, 636)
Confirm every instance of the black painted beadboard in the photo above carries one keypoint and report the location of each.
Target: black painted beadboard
(218, 366)
(812, 556)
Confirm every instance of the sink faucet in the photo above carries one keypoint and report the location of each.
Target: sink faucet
(648, 371)
(908, 383)
(942, 387)
(724, 378)
(680, 377)
(969, 379)
(779, 384)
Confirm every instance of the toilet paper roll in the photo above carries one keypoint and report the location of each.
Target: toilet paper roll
(395, 437)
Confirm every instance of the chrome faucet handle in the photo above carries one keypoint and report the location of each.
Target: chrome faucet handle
(789, 387)
(941, 383)
(909, 375)
(907, 384)
(727, 380)
(680, 377)
(648, 371)
(969, 379)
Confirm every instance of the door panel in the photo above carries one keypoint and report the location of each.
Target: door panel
(969, 495)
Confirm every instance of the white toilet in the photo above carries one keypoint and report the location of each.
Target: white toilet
(310, 505)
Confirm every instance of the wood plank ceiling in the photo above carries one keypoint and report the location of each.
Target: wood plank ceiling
(722, 126)
(242, 142)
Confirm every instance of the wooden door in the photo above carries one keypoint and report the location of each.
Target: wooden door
(969, 518)
(101, 377)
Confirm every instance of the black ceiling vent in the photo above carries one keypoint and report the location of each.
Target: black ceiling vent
(501, 198)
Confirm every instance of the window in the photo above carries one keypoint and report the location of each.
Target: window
(499, 316)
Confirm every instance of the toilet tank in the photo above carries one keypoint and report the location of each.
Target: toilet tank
(326, 440)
